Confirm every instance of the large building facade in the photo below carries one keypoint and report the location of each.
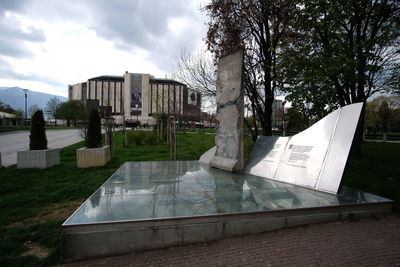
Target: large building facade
(277, 114)
(135, 97)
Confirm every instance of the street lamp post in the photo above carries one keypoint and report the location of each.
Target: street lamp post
(283, 119)
(26, 107)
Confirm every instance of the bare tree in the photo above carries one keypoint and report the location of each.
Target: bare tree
(198, 72)
(392, 84)
(52, 108)
(32, 109)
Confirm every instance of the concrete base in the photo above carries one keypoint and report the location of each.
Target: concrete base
(225, 164)
(41, 159)
(93, 157)
(106, 239)
(207, 156)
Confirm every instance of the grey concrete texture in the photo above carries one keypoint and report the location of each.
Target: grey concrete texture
(365, 242)
(208, 155)
(12, 142)
(98, 240)
(40, 159)
(230, 109)
(93, 157)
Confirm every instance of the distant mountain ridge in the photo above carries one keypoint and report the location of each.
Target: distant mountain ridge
(15, 97)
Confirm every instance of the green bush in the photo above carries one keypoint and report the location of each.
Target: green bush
(150, 139)
(139, 138)
(37, 138)
(93, 137)
(134, 138)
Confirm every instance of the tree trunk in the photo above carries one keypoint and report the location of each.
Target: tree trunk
(267, 127)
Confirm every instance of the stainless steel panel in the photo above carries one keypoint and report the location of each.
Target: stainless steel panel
(339, 149)
(314, 158)
(266, 155)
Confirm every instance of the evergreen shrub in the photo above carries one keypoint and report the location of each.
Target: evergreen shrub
(37, 138)
(93, 136)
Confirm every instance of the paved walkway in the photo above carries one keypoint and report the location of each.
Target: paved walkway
(368, 242)
(12, 142)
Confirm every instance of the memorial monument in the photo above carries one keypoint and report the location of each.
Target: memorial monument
(230, 107)
(314, 158)
(287, 181)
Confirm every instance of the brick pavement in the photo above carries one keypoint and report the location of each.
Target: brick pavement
(368, 242)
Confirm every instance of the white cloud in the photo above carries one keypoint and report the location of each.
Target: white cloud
(177, 25)
(64, 42)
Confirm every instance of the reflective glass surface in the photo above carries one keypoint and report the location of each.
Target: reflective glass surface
(146, 190)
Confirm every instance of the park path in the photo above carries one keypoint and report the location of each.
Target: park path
(368, 242)
(12, 142)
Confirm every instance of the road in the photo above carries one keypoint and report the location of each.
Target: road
(12, 142)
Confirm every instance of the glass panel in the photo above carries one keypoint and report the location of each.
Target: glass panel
(143, 190)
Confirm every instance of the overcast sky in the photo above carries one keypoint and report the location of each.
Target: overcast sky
(47, 44)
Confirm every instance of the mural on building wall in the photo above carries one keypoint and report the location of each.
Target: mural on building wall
(136, 95)
(192, 97)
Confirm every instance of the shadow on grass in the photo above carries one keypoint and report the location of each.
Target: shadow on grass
(377, 171)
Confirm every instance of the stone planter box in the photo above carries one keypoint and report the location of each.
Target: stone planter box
(40, 159)
(92, 157)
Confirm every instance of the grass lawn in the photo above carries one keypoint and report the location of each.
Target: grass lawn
(34, 203)
(377, 171)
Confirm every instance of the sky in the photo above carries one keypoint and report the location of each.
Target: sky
(47, 44)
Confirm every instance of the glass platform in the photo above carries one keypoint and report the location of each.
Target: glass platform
(159, 190)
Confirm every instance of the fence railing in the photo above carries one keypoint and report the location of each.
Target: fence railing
(382, 137)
